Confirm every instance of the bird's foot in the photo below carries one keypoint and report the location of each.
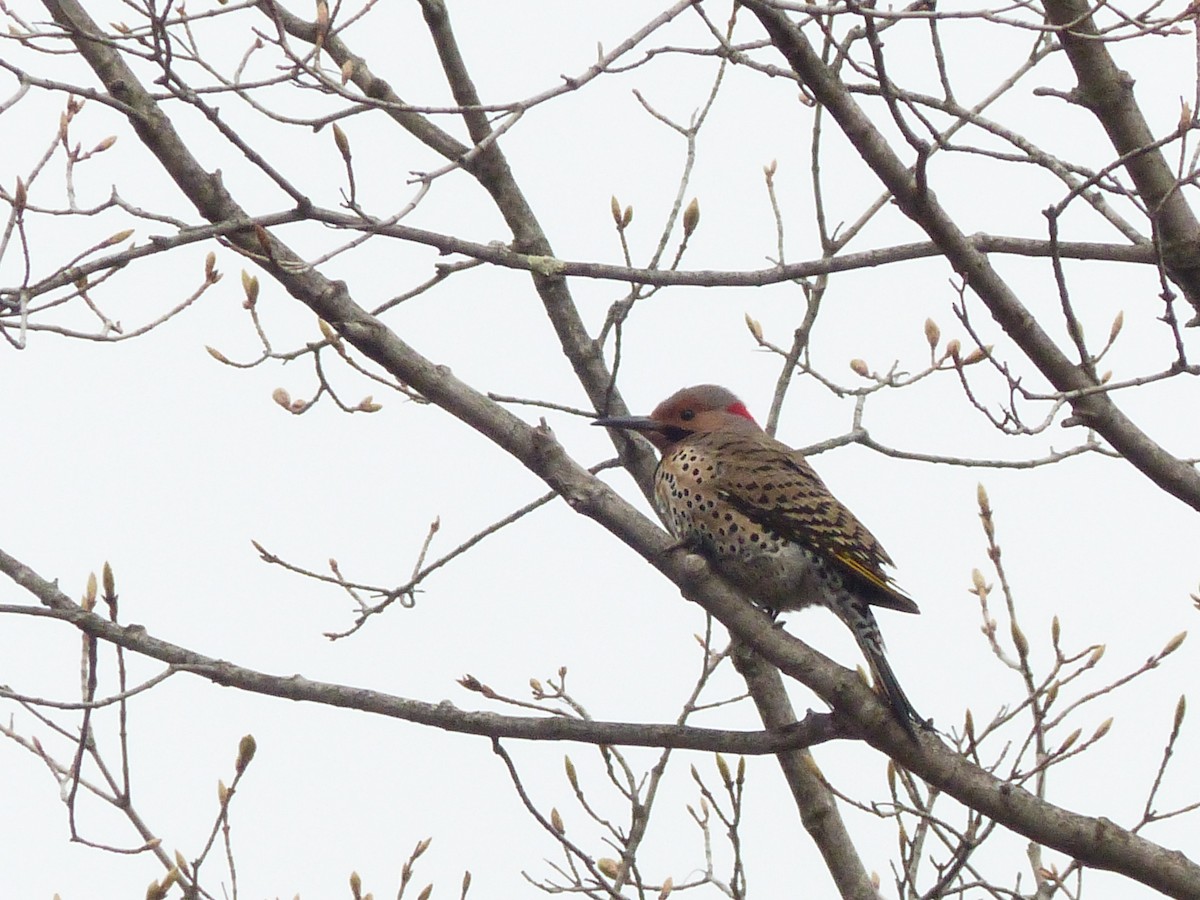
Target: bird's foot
(773, 615)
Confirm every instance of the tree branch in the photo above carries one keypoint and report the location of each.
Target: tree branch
(1094, 410)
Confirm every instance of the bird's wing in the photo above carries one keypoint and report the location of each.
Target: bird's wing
(777, 488)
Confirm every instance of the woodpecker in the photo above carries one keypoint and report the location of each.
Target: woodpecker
(766, 522)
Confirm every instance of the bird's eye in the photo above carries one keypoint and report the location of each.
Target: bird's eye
(687, 415)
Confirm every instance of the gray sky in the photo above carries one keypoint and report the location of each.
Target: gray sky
(153, 456)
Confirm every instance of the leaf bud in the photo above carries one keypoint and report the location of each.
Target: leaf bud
(1173, 644)
(89, 593)
(755, 328)
(246, 748)
(1117, 325)
(250, 286)
(342, 142)
(691, 217)
(932, 333)
(608, 867)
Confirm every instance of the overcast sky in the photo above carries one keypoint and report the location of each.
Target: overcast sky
(155, 457)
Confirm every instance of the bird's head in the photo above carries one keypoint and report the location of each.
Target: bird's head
(695, 410)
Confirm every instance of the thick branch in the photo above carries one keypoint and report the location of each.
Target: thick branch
(1094, 842)
(1095, 410)
(1108, 92)
(815, 729)
(816, 803)
(487, 164)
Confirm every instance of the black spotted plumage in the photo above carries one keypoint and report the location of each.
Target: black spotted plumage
(767, 522)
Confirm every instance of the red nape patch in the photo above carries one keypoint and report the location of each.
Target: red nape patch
(739, 409)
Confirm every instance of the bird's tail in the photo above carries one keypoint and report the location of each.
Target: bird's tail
(866, 632)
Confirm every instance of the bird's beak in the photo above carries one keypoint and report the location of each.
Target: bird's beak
(629, 423)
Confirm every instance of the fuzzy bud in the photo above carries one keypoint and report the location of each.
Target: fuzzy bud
(342, 142)
(1117, 325)
(246, 747)
(556, 821)
(282, 397)
(1020, 641)
(691, 217)
(755, 328)
(979, 354)
(250, 286)
(859, 367)
(1070, 741)
(608, 867)
(1051, 694)
(979, 586)
(89, 593)
(1173, 644)
(933, 334)
(119, 237)
(723, 770)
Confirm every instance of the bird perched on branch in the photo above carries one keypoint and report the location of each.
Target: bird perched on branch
(766, 521)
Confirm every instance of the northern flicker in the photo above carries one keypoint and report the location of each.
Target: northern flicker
(766, 521)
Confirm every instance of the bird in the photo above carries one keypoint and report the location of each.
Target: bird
(763, 518)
